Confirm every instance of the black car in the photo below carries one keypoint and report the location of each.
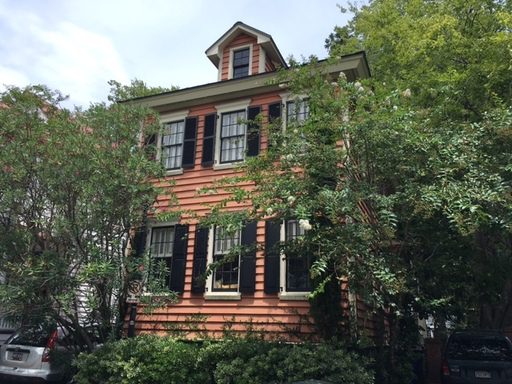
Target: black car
(477, 357)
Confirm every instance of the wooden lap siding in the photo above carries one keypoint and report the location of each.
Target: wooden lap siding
(240, 41)
(192, 315)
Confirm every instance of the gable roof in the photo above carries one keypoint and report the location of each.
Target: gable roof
(214, 52)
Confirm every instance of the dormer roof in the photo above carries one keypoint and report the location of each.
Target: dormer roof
(214, 53)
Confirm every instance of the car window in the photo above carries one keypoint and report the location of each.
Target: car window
(478, 348)
(33, 337)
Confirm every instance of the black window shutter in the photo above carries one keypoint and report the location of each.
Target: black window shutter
(139, 241)
(272, 256)
(200, 256)
(248, 258)
(253, 132)
(150, 146)
(189, 143)
(179, 258)
(274, 112)
(209, 140)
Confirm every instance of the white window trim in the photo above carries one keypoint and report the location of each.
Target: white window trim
(231, 53)
(170, 118)
(263, 59)
(227, 108)
(285, 99)
(209, 293)
(283, 293)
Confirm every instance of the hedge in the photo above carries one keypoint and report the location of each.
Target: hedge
(154, 360)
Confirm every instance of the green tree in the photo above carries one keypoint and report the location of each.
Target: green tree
(404, 179)
(454, 60)
(456, 53)
(136, 88)
(72, 187)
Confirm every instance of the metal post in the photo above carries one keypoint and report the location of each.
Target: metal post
(131, 323)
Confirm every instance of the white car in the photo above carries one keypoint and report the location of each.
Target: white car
(36, 355)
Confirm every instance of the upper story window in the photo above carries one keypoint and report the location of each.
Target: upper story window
(297, 111)
(241, 59)
(171, 145)
(226, 275)
(232, 137)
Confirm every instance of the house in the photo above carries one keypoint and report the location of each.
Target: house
(203, 138)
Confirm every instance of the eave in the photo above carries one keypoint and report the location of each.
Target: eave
(354, 66)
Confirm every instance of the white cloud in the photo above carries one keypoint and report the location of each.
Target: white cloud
(81, 61)
(61, 55)
(77, 46)
(10, 76)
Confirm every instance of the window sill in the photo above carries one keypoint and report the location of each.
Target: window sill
(222, 296)
(294, 296)
(174, 172)
(218, 167)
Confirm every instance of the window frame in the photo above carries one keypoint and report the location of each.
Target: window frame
(170, 119)
(234, 240)
(228, 138)
(231, 69)
(180, 125)
(304, 115)
(223, 109)
(284, 292)
(210, 292)
(149, 243)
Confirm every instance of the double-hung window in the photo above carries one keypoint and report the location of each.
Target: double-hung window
(297, 111)
(287, 263)
(162, 245)
(231, 256)
(168, 250)
(171, 145)
(241, 59)
(226, 275)
(297, 263)
(232, 136)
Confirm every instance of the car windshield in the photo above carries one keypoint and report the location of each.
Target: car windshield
(33, 337)
(478, 348)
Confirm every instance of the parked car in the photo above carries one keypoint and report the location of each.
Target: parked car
(477, 357)
(39, 354)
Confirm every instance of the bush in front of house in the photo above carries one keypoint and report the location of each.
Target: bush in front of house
(145, 359)
(155, 360)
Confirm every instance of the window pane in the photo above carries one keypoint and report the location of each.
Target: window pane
(225, 276)
(162, 241)
(172, 144)
(297, 273)
(297, 111)
(297, 263)
(232, 145)
(240, 63)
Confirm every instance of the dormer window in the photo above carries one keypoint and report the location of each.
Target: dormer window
(241, 63)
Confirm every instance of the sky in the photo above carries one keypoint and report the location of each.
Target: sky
(77, 46)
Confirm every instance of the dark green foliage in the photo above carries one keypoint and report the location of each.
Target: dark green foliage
(155, 360)
(72, 186)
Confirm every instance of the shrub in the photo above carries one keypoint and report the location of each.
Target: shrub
(141, 360)
(285, 363)
(155, 360)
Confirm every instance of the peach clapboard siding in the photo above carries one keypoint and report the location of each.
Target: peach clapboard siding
(192, 315)
(239, 41)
